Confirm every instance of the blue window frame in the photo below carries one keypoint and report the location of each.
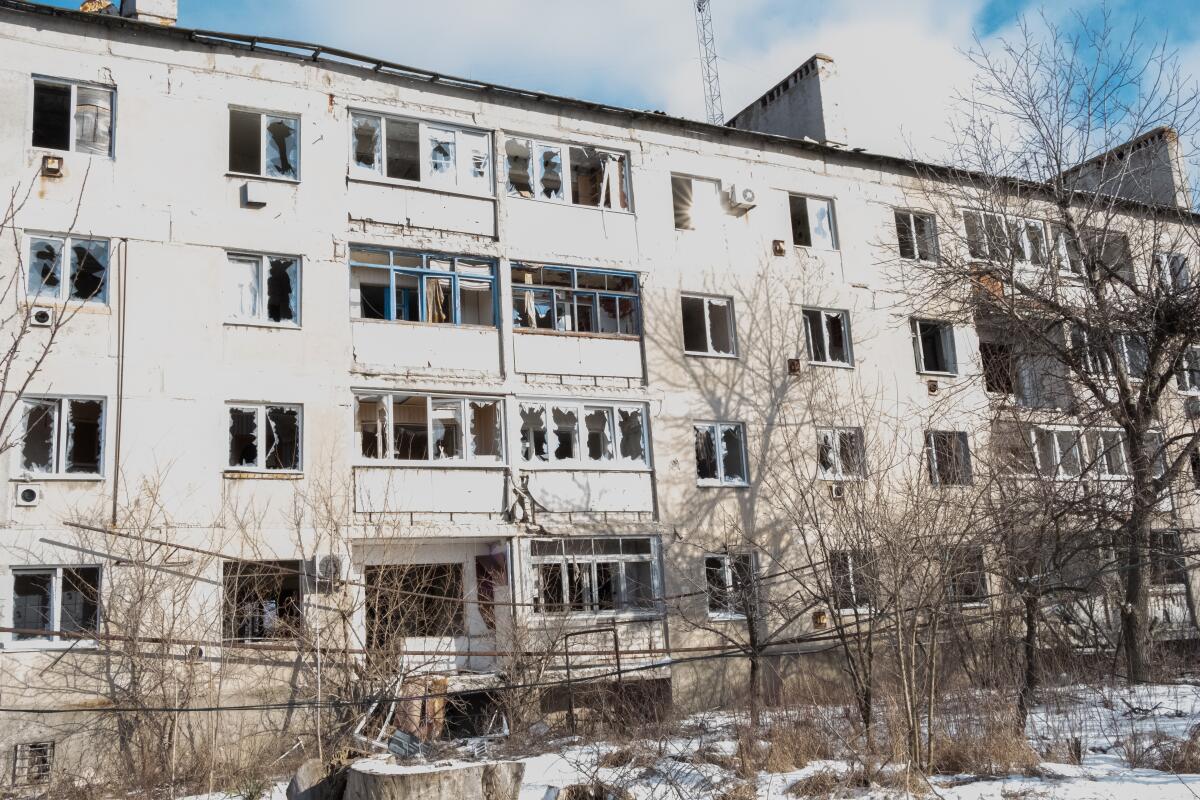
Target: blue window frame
(573, 300)
(413, 286)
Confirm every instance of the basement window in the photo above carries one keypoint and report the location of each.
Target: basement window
(916, 236)
(851, 573)
(438, 155)
(264, 144)
(263, 601)
(949, 457)
(591, 435)
(264, 289)
(73, 117)
(576, 174)
(729, 579)
(33, 763)
(827, 335)
(721, 454)
(55, 604)
(812, 222)
(265, 438)
(697, 202)
(570, 300)
(407, 286)
(841, 454)
(84, 277)
(62, 436)
(933, 346)
(602, 575)
(708, 326)
(426, 428)
(412, 600)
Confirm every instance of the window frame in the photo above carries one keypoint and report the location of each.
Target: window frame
(426, 180)
(947, 343)
(597, 294)
(842, 472)
(61, 435)
(263, 115)
(421, 274)
(260, 408)
(63, 296)
(1053, 431)
(847, 338)
(1097, 462)
(54, 640)
(1187, 375)
(581, 407)
(25, 760)
(469, 459)
(708, 299)
(704, 223)
(263, 319)
(75, 84)
(1164, 262)
(719, 427)
(966, 473)
(968, 561)
(591, 602)
(834, 233)
(931, 237)
(536, 170)
(231, 617)
(854, 576)
(731, 587)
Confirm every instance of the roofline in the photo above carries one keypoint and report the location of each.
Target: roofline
(287, 48)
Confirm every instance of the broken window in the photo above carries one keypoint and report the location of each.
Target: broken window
(264, 289)
(708, 327)
(428, 428)
(987, 236)
(1057, 452)
(421, 287)
(592, 434)
(949, 456)
(411, 150)
(851, 573)
(916, 235)
(1065, 252)
(1107, 453)
(721, 454)
(87, 278)
(1130, 349)
(827, 335)
(968, 578)
(412, 600)
(580, 574)
(697, 202)
(33, 763)
(730, 582)
(265, 437)
(62, 436)
(933, 345)
(1187, 374)
(840, 454)
(812, 222)
(264, 144)
(1168, 564)
(576, 300)
(1173, 271)
(999, 364)
(70, 116)
(585, 176)
(263, 600)
(55, 603)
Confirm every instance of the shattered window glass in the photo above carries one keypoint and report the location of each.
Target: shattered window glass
(80, 600)
(566, 424)
(283, 290)
(45, 266)
(517, 158)
(31, 608)
(38, 445)
(89, 269)
(441, 153)
(733, 456)
(84, 436)
(533, 433)
(370, 420)
(93, 120)
(243, 437)
(59, 107)
(550, 172)
(447, 429)
(245, 292)
(368, 141)
(279, 275)
(282, 438)
(283, 147)
(51, 115)
(633, 440)
(486, 429)
(599, 434)
(410, 432)
(706, 452)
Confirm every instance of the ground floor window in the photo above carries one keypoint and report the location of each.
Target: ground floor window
(55, 603)
(263, 600)
(730, 579)
(409, 600)
(594, 575)
(32, 763)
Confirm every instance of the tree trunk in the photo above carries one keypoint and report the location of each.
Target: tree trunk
(1030, 647)
(1135, 628)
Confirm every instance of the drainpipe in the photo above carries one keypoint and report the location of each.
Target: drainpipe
(119, 402)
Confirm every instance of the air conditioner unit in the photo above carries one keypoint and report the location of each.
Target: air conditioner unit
(741, 196)
(837, 491)
(29, 494)
(328, 573)
(41, 317)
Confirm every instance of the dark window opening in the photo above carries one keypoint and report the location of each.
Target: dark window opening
(51, 115)
(262, 600)
(413, 600)
(245, 142)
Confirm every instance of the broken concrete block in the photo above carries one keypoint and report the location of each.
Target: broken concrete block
(374, 779)
(314, 781)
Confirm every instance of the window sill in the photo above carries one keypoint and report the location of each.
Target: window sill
(810, 249)
(930, 374)
(725, 356)
(42, 645)
(841, 478)
(971, 604)
(73, 153)
(831, 364)
(261, 475)
(373, 179)
(716, 485)
(246, 176)
(40, 477)
(72, 306)
(630, 616)
(723, 617)
(565, 204)
(383, 463)
(407, 323)
(584, 466)
(246, 323)
(261, 644)
(860, 611)
(624, 337)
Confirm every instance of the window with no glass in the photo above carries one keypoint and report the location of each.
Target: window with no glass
(812, 222)
(33, 763)
(265, 437)
(589, 434)
(827, 336)
(264, 144)
(577, 574)
(431, 288)
(730, 581)
(567, 299)
(412, 150)
(264, 289)
(915, 235)
(840, 454)
(55, 603)
(949, 456)
(72, 116)
(968, 577)
(407, 600)
(401, 427)
(697, 202)
(851, 574)
(933, 346)
(68, 268)
(721, 454)
(581, 175)
(708, 326)
(262, 600)
(62, 436)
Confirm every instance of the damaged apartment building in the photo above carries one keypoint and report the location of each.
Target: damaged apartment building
(468, 367)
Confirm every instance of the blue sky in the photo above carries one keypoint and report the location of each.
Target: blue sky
(899, 63)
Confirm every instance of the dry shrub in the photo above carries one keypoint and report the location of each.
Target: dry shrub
(743, 791)
(827, 783)
(819, 784)
(621, 757)
(1180, 756)
(782, 748)
(709, 755)
(993, 751)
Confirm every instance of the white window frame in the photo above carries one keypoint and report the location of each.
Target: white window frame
(709, 300)
(1096, 362)
(1053, 431)
(727, 575)
(468, 459)
(53, 641)
(834, 233)
(910, 216)
(564, 148)
(260, 427)
(621, 590)
(462, 181)
(262, 319)
(61, 434)
(66, 242)
(1095, 439)
(580, 408)
(840, 471)
(263, 115)
(853, 576)
(960, 439)
(1169, 267)
(112, 129)
(718, 427)
(1187, 377)
(949, 346)
(708, 218)
(987, 241)
(826, 314)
